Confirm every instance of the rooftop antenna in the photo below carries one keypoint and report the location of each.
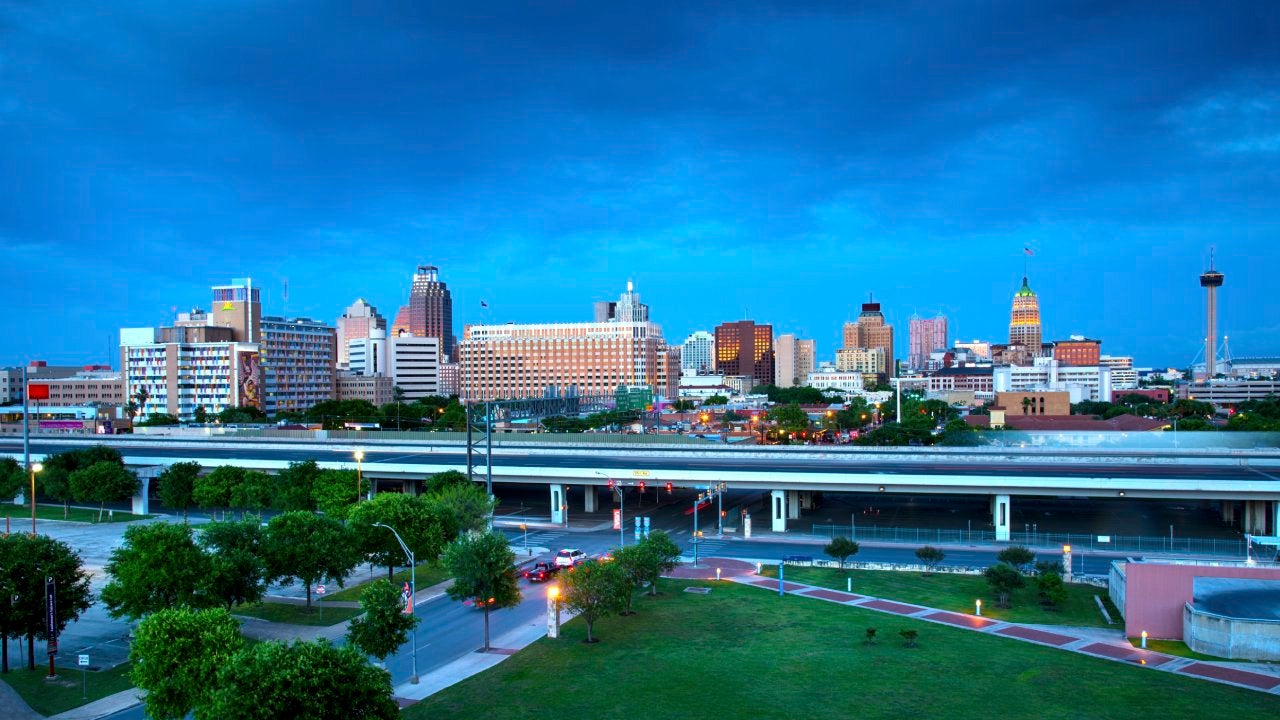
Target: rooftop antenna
(286, 297)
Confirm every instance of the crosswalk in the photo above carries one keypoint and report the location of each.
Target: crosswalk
(539, 538)
(707, 547)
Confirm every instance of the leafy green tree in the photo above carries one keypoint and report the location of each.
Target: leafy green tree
(958, 433)
(213, 491)
(417, 520)
(159, 420)
(683, 405)
(1018, 556)
(662, 555)
(315, 680)
(25, 562)
(200, 415)
(13, 479)
(632, 559)
(237, 573)
(303, 546)
(1003, 579)
(461, 507)
(295, 486)
(789, 418)
(841, 548)
(178, 485)
(482, 566)
(909, 637)
(55, 479)
(716, 400)
(241, 414)
(1052, 591)
(335, 492)
(441, 480)
(385, 625)
(594, 590)
(931, 557)
(103, 482)
(158, 566)
(176, 655)
(1048, 567)
(252, 493)
(454, 418)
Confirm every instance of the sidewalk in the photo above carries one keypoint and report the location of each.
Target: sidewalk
(1094, 642)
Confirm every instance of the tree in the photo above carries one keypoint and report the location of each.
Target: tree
(252, 493)
(200, 415)
(1003, 579)
(295, 486)
(158, 420)
(103, 482)
(13, 479)
(716, 400)
(385, 625)
(315, 680)
(662, 554)
(335, 492)
(178, 484)
(1052, 591)
(909, 637)
(159, 566)
(931, 557)
(303, 546)
(789, 418)
(1018, 556)
(417, 520)
(242, 414)
(237, 573)
(441, 480)
(214, 490)
(841, 548)
(461, 507)
(142, 397)
(482, 567)
(683, 405)
(25, 563)
(633, 560)
(55, 479)
(594, 590)
(958, 433)
(869, 638)
(177, 653)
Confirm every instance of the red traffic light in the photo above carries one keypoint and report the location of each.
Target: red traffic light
(611, 484)
(668, 487)
(642, 487)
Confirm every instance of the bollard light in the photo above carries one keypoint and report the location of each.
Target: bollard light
(1144, 639)
(977, 607)
(717, 573)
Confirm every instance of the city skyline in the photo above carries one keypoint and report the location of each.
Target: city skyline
(751, 163)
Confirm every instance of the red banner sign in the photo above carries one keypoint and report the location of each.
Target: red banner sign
(37, 392)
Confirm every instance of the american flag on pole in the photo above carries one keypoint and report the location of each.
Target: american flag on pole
(484, 304)
(1027, 250)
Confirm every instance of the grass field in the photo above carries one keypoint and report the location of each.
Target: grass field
(49, 697)
(742, 652)
(296, 614)
(956, 593)
(428, 575)
(19, 514)
(1174, 647)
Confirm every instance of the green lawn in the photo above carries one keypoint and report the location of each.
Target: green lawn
(955, 592)
(296, 614)
(428, 575)
(49, 697)
(1176, 647)
(18, 514)
(744, 652)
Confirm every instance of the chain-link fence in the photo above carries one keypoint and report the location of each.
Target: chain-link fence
(1217, 547)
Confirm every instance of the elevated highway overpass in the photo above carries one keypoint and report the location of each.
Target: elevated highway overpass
(1245, 481)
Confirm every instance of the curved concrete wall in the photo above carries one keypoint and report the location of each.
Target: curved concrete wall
(1227, 637)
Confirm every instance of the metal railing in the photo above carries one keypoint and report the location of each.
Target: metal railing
(1221, 547)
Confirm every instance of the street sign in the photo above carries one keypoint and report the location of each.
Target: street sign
(617, 519)
(319, 589)
(84, 661)
(51, 614)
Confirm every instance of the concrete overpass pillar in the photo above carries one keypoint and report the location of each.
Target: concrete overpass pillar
(559, 505)
(410, 487)
(778, 510)
(1000, 511)
(142, 501)
(793, 504)
(1229, 512)
(1260, 517)
(590, 498)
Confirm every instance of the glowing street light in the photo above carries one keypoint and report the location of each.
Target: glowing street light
(359, 457)
(977, 607)
(553, 611)
(35, 468)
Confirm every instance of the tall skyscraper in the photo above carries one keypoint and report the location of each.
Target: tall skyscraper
(698, 352)
(1024, 322)
(298, 356)
(925, 336)
(1211, 280)
(745, 348)
(357, 322)
(431, 309)
(794, 360)
(628, 308)
(806, 358)
(871, 331)
(239, 307)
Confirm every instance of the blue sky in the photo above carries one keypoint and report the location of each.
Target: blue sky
(744, 159)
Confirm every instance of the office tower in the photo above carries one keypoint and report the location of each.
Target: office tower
(1078, 351)
(871, 331)
(431, 309)
(925, 336)
(628, 308)
(1024, 321)
(357, 321)
(1211, 280)
(698, 353)
(368, 355)
(604, 311)
(215, 372)
(794, 360)
(415, 365)
(806, 358)
(298, 360)
(745, 348)
(239, 307)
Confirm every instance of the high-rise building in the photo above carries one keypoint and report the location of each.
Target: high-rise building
(871, 331)
(806, 358)
(95, 385)
(745, 348)
(237, 306)
(870, 361)
(979, 348)
(298, 358)
(698, 353)
(794, 360)
(415, 365)
(559, 359)
(628, 308)
(431, 309)
(925, 336)
(1077, 351)
(1211, 280)
(368, 355)
(1024, 322)
(180, 376)
(1123, 376)
(357, 321)
(37, 371)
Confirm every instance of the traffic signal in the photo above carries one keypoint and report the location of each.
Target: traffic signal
(641, 486)
(610, 484)
(668, 487)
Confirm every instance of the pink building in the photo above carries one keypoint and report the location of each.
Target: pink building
(357, 322)
(925, 336)
(1151, 595)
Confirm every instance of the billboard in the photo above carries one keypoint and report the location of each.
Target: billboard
(37, 391)
(249, 378)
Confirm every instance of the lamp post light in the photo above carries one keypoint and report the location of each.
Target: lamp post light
(359, 475)
(413, 595)
(553, 611)
(977, 607)
(35, 468)
(622, 515)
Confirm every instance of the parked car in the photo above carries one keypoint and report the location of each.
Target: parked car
(540, 572)
(570, 557)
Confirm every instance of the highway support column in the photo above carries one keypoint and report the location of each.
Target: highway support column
(1000, 510)
(778, 510)
(793, 504)
(1261, 517)
(590, 498)
(558, 504)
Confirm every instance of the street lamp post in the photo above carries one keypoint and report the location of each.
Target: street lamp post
(413, 596)
(35, 468)
(553, 611)
(622, 515)
(359, 475)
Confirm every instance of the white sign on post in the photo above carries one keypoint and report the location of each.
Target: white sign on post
(84, 661)
(319, 589)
